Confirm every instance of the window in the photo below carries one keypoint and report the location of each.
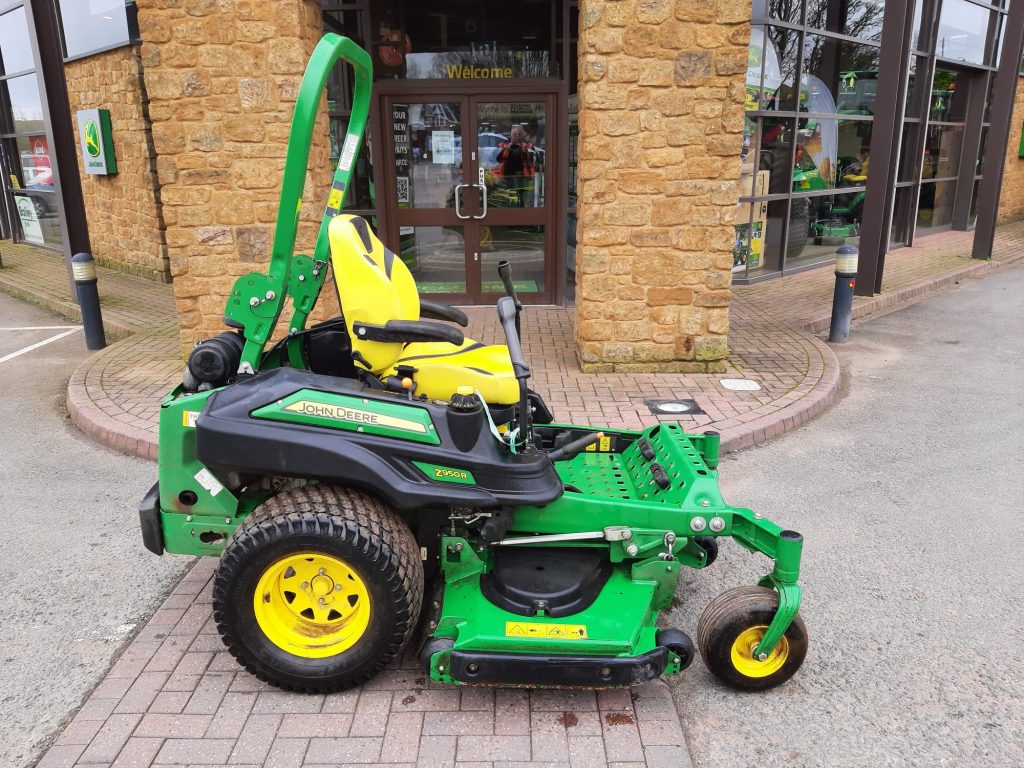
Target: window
(963, 31)
(91, 26)
(15, 51)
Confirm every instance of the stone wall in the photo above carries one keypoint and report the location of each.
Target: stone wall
(661, 120)
(125, 226)
(1011, 201)
(222, 77)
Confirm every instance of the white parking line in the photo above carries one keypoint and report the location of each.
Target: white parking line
(38, 344)
(41, 328)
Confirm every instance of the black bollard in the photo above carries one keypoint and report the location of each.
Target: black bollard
(83, 268)
(842, 299)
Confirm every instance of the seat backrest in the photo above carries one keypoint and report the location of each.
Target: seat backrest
(374, 286)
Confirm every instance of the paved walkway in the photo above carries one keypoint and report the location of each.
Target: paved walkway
(177, 698)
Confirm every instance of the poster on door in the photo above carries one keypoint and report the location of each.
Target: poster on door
(400, 141)
(443, 143)
(29, 220)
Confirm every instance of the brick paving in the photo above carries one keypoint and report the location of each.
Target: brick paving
(177, 698)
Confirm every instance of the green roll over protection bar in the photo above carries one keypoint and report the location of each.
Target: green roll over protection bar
(257, 299)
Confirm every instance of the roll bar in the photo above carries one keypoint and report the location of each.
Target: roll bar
(257, 298)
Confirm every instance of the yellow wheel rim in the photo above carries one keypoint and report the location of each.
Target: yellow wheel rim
(743, 653)
(312, 605)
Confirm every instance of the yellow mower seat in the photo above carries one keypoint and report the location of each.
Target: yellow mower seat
(375, 286)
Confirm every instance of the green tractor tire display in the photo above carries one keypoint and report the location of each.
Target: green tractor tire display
(361, 511)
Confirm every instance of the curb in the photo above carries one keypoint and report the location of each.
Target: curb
(90, 417)
(806, 401)
(64, 308)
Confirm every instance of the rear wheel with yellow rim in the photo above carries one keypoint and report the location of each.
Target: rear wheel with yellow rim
(318, 589)
(730, 629)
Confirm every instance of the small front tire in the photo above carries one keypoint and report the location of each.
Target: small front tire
(731, 627)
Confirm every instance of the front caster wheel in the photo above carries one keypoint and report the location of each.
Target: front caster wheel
(731, 627)
(318, 589)
(710, 545)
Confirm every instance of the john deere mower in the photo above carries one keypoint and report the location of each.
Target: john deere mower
(380, 477)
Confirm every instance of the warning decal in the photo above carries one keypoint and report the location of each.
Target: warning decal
(546, 631)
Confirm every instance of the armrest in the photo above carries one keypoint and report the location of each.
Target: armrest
(405, 331)
(435, 310)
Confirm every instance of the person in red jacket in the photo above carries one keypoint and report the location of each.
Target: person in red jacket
(518, 165)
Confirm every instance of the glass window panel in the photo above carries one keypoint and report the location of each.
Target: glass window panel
(902, 216)
(745, 237)
(981, 152)
(855, 18)
(963, 31)
(570, 258)
(427, 147)
(15, 48)
(93, 25)
(783, 10)
(34, 160)
(918, 40)
(26, 104)
(950, 90)
(523, 246)
(819, 225)
(465, 39)
(772, 245)
(778, 51)
(512, 144)
(972, 218)
(942, 148)
(831, 152)
(436, 256)
(776, 152)
(917, 87)
(909, 166)
(935, 207)
(838, 76)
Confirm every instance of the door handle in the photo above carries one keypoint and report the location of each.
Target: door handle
(458, 199)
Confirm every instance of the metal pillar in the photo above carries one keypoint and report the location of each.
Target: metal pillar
(42, 16)
(890, 105)
(1001, 113)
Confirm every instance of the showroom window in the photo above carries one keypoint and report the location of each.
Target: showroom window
(93, 26)
(811, 99)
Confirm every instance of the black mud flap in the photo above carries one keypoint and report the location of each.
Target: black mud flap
(149, 521)
(557, 671)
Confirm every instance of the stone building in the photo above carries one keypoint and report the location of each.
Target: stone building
(633, 158)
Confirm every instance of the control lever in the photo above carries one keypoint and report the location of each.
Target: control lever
(509, 317)
(505, 273)
(578, 445)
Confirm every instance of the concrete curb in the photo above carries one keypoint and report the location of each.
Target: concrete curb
(64, 308)
(88, 414)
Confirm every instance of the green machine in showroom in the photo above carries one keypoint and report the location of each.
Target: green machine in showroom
(379, 479)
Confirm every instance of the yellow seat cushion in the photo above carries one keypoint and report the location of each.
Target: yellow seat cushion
(442, 368)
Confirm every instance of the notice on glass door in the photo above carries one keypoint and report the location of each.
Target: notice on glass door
(443, 143)
(29, 215)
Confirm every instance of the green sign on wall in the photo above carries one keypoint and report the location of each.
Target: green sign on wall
(97, 141)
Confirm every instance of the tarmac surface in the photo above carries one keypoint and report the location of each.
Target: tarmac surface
(908, 493)
(77, 581)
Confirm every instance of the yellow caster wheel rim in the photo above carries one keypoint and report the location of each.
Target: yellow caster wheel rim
(312, 605)
(743, 653)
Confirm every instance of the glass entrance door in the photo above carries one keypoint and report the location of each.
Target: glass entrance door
(469, 184)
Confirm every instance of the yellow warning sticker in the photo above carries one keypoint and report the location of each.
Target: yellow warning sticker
(334, 199)
(188, 418)
(546, 631)
(601, 446)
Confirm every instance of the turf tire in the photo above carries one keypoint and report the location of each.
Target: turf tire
(342, 522)
(730, 614)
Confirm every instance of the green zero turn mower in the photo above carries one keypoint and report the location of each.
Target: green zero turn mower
(378, 474)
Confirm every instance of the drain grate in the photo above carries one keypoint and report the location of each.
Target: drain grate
(675, 407)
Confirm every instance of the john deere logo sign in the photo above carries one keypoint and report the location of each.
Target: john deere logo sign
(96, 141)
(92, 138)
